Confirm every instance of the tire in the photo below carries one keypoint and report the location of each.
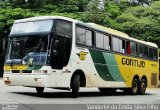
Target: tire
(75, 85)
(107, 90)
(135, 87)
(40, 90)
(142, 87)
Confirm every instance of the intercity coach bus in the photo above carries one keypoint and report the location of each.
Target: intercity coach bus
(63, 53)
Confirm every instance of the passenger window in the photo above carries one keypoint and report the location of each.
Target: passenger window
(120, 46)
(99, 40)
(140, 50)
(80, 36)
(145, 52)
(133, 48)
(150, 53)
(115, 42)
(107, 42)
(155, 54)
(88, 38)
(123, 46)
(128, 48)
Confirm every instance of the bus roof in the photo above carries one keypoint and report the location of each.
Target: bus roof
(89, 25)
(44, 18)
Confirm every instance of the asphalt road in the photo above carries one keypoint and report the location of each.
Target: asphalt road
(27, 99)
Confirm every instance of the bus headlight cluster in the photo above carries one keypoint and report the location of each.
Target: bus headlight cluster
(7, 71)
(6, 78)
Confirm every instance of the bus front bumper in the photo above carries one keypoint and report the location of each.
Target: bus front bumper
(26, 80)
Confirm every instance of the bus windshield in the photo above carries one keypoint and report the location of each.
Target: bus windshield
(27, 50)
(32, 27)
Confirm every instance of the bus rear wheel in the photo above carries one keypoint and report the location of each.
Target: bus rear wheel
(142, 87)
(135, 87)
(40, 90)
(75, 85)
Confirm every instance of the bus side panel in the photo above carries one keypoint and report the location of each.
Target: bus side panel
(129, 67)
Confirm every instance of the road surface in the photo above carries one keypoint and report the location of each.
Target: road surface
(27, 99)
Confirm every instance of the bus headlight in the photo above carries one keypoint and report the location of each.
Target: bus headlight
(7, 71)
(6, 78)
(37, 79)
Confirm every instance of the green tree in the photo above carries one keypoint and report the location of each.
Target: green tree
(95, 14)
(142, 22)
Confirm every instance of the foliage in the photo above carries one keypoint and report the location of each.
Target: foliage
(137, 20)
(142, 22)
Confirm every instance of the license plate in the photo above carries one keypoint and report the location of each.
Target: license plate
(7, 82)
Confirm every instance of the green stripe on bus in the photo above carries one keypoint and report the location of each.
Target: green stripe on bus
(112, 66)
(100, 65)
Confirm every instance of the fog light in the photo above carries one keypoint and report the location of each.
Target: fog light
(37, 79)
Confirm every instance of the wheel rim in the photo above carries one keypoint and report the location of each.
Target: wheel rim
(143, 86)
(135, 86)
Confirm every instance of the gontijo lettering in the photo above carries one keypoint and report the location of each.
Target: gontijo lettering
(133, 62)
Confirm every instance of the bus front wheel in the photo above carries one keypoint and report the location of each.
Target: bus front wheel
(142, 87)
(40, 90)
(75, 85)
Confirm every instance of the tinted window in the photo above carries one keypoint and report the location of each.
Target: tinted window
(88, 38)
(150, 53)
(80, 35)
(83, 36)
(128, 48)
(120, 46)
(155, 54)
(106, 42)
(145, 52)
(99, 40)
(115, 44)
(64, 28)
(133, 48)
(123, 46)
(140, 50)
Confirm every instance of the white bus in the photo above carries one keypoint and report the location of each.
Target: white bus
(63, 53)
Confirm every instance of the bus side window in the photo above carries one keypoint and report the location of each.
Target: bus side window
(128, 49)
(155, 54)
(99, 40)
(133, 48)
(115, 43)
(88, 38)
(140, 50)
(145, 52)
(80, 36)
(150, 53)
(107, 42)
(123, 46)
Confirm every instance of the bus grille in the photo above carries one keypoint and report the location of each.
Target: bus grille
(23, 71)
(26, 71)
(15, 71)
